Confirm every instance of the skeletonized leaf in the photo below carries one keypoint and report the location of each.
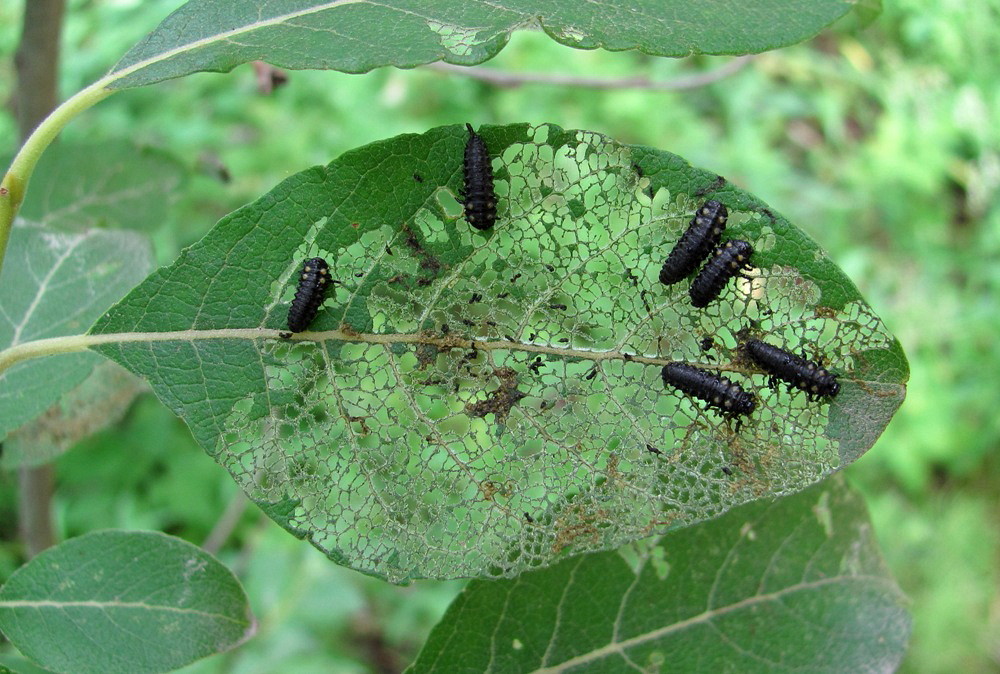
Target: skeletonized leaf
(56, 284)
(478, 404)
(123, 601)
(355, 36)
(797, 585)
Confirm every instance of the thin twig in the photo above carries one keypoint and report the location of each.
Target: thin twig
(34, 508)
(223, 529)
(37, 61)
(503, 78)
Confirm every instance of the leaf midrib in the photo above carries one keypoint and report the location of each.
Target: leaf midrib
(227, 36)
(105, 605)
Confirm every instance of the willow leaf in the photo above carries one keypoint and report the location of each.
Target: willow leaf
(358, 35)
(476, 404)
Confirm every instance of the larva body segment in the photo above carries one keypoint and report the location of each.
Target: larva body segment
(309, 295)
(728, 261)
(796, 371)
(696, 243)
(478, 194)
(718, 392)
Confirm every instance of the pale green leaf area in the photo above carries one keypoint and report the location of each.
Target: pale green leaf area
(100, 401)
(21, 665)
(79, 186)
(358, 35)
(53, 284)
(794, 585)
(478, 404)
(121, 601)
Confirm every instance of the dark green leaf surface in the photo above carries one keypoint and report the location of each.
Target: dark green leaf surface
(354, 36)
(797, 585)
(474, 404)
(119, 601)
(56, 284)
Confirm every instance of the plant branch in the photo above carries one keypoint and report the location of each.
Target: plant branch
(34, 508)
(224, 527)
(16, 181)
(503, 78)
(37, 63)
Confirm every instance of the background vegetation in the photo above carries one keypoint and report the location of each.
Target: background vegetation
(881, 144)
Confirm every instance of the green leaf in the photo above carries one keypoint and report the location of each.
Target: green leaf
(864, 13)
(57, 284)
(120, 601)
(794, 585)
(128, 187)
(355, 37)
(101, 400)
(20, 664)
(523, 430)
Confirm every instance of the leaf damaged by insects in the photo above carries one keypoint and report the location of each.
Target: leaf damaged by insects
(528, 358)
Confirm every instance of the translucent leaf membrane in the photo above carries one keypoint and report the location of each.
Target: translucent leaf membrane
(476, 404)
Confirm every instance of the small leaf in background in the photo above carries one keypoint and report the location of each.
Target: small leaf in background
(79, 186)
(55, 284)
(865, 12)
(119, 601)
(793, 585)
(480, 404)
(357, 37)
(100, 401)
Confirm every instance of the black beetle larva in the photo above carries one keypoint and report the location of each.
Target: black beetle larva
(718, 392)
(313, 279)
(796, 371)
(696, 243)
(478, 195)
(728, 261)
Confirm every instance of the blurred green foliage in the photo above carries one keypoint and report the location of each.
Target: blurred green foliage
(882, 144)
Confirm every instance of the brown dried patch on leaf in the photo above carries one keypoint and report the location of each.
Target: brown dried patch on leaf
(578, 523)
(362, 422)
(492, 488)
(500, 401)
(426, 355)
